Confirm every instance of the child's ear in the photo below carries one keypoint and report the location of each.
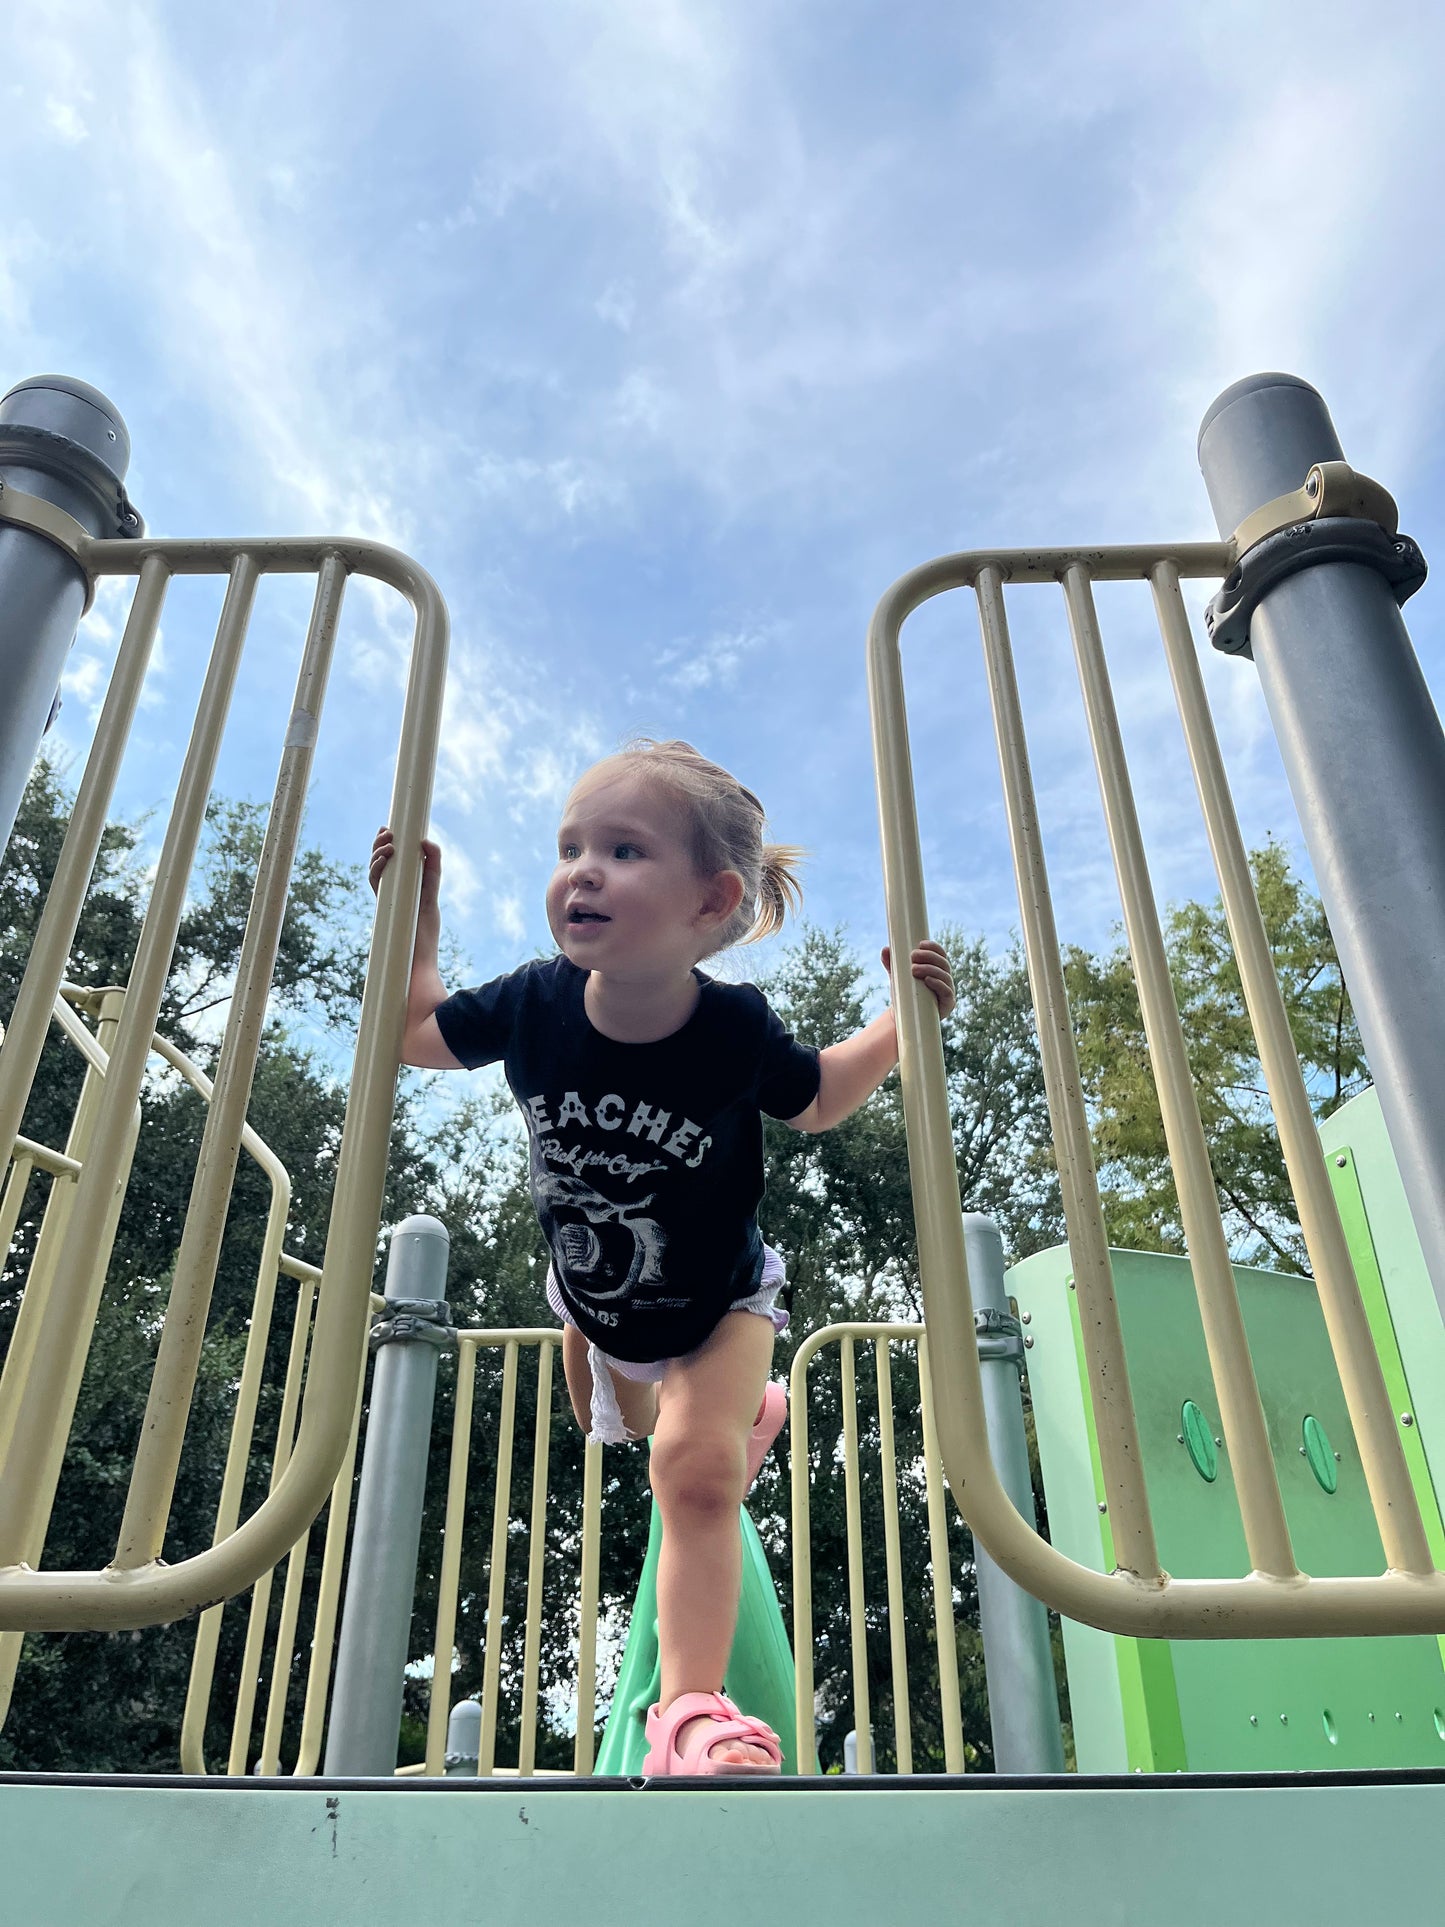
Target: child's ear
(723, 895)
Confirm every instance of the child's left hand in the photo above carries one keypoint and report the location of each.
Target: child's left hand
(931, 967)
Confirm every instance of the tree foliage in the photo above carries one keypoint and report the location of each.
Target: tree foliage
(1141, 1205)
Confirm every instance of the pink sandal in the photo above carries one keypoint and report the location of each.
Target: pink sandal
(663, 1758)
(766, 1428)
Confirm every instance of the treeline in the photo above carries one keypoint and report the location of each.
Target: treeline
(837, 1206)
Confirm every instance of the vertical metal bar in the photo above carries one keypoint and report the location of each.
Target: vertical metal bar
(238, 1454)
(897, 1630)
(55, 933)
(281, 1656)
(1103, 1336)
(153, 1475)
(1241, 1410)
(1364, 752)
(376, 1625)
(804, 1718)
(536, 1551)
(328, 1599)
(250, 1680)
(449, 1578)
(497, 1577)
(950, 1707)
(16, 1185)
(56, 1342)
(1023, 1694)
(857, 1611)
(261, 1592)
(1356, 1358)
(38, 1439)
(585, 1745)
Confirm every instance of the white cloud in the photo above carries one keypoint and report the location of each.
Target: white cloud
(66, 119)
(507, 915)
(714, 662)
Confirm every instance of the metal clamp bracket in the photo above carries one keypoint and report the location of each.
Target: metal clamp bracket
(999, 1334)
(1335, 538)
(53, 525)
(1330, 488)
(428, 1320)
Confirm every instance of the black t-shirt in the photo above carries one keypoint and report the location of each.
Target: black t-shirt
(646, 1159)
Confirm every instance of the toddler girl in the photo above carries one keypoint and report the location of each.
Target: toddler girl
(641, 1081)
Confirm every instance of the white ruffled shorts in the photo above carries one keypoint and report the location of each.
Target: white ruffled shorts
(607, 1425)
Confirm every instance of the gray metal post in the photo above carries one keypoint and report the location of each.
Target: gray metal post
(1023, 1694)
(63, 441)
(1365, 756)
(381, 1575)
(464, 1738)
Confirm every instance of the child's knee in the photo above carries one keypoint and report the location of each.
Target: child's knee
(701, 1475)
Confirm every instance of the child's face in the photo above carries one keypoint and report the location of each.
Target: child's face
(625, 897)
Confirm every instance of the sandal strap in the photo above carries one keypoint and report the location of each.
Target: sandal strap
(728, 1724)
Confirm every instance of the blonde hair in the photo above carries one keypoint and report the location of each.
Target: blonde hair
(724, 832)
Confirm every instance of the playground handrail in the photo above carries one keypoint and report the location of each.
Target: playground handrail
(882, 1335)
(137, 1588)
(1275, 1599)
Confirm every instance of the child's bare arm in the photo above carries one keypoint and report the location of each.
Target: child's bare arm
(421, 1042)
(853, 1070)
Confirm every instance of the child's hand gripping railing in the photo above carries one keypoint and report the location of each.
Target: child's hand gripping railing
(1275, 1599)
(137, 1588)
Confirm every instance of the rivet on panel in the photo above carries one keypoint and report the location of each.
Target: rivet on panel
(1102, 1506)
(1254, 1719)
(1284, 1719)
(1407, 1418)
(1026, 1318)
(1341, 1162)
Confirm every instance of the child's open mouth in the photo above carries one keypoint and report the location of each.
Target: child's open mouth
(586, 916)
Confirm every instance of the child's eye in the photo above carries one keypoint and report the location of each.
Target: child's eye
(626, 850)
(567, 852)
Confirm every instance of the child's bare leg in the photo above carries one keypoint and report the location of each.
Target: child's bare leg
(636, 1401)
(708, 1404)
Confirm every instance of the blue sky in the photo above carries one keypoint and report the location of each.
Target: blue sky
(666, 333)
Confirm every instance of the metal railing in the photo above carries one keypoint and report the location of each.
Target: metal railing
(1275, 1599)
(882, 1338)
(515, 1685)
(137, 1588)
(107, 1004)
(512, 1344)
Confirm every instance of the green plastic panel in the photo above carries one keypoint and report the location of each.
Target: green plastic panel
(1236, 1705)
(760, 1672)
(1409, 1331)
(1065, 1855)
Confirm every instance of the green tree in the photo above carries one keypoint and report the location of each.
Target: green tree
(1136, 1181)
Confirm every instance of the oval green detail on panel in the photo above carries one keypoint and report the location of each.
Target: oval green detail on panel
(1199, 1440)
(1320, 1453)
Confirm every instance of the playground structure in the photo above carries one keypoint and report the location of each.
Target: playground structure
(1312, 570)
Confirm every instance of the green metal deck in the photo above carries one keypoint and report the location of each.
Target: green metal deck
(1302, 1851)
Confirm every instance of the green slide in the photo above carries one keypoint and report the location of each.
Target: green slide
(759, 1675)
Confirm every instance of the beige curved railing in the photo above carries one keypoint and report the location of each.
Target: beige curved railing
(1275, 1599)
(106, 1004)
(137, 1588)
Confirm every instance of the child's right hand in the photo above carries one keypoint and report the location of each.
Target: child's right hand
(383, 849)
